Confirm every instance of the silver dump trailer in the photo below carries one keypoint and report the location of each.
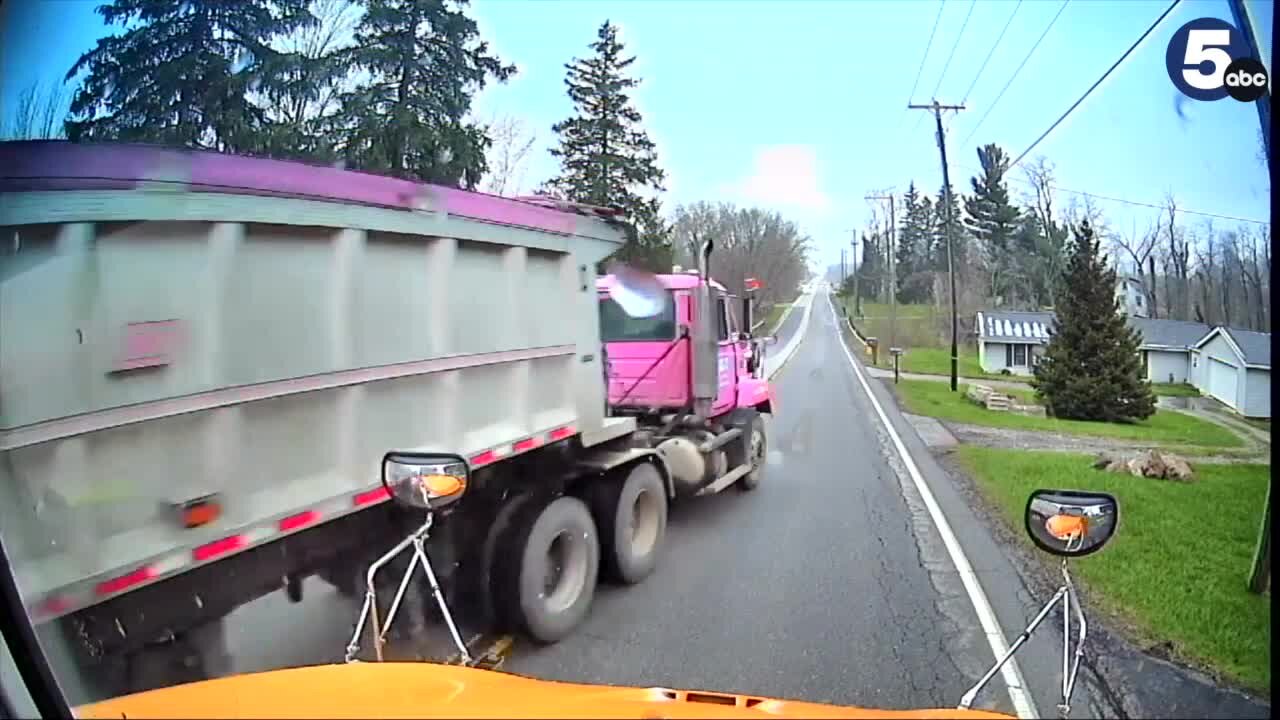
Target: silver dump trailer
(203, 359)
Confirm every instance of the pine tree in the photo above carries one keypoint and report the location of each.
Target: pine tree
(939, 234)
(912, 257)
(181, 73)
(426, 63)
(993, 220)
(1091, 369)
(606, 158)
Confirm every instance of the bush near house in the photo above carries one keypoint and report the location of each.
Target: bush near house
(1176, 570)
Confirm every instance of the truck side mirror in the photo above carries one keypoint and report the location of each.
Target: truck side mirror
(747, 320)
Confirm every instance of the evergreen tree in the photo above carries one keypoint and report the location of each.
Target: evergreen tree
(425, 62)
(606, 158)
(913, 248)
(939, 231)
(1091, 369)
(993, 220)
(181, 73)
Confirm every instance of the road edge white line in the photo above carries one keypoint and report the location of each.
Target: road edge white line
(793, 343)
(1022, 702)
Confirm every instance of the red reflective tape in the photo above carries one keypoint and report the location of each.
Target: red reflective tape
(372, 496)
(124, 582)
(483, 458)
(218, 547)
(53, 605)
(302, 519)
(561, 432)
(527, 444)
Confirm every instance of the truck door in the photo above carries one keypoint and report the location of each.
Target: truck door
(728, 358)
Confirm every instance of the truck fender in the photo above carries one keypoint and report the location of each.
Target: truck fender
(603, 461)
(758, 394)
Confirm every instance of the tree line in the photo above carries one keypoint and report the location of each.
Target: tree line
(384, 86)
(1010, 253)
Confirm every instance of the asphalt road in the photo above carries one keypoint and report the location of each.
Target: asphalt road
(818, 586)
(828, 583)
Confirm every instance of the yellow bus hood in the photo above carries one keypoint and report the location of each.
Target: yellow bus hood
(425, 690)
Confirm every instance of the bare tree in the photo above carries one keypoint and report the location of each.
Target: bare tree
(39, 113)
(1139, 249)
(1179, 252)
(511, 143)
(750, 242)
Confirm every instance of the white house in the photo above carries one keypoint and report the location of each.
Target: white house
(1012, 341)
(1166, 347)
(1234, 366)
(1131, 295)
(1231, 365)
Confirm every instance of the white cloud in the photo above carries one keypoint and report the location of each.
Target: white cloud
(785, 177)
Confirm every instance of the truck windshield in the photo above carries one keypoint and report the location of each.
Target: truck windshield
(617, 326)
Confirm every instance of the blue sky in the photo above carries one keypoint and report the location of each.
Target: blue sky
(800, 106)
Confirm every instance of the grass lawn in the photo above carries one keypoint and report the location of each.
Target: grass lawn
(773, 318)
(1175, 389)
(935, 399)
(1177, 567)
(937, 361)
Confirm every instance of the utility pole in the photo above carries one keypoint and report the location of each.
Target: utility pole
(857, 299)
(937, 109)
(891, 251)
(842, 275)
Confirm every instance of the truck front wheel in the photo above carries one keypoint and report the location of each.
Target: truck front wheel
(631, 512)
(546, 578)
(753, 448)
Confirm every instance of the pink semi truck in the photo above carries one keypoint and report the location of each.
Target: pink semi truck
(204, 357)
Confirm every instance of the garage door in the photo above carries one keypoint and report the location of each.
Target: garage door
(1222, 381)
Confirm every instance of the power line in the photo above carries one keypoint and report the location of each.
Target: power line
(1015, 73)
(942, 4)
(927, 47)
(1094, 86)
(991, 52)
(1125, 201)
(954, 45)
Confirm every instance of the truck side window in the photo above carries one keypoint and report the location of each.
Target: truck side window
(722, 320)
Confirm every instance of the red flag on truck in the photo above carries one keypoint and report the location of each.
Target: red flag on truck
(752, 284)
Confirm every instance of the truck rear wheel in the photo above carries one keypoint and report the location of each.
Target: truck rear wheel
(631, 513)
(547, 578)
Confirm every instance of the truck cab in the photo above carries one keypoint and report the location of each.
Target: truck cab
(649, 360)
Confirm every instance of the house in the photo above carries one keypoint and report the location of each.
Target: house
(1009, 340)
(1234, 366)
(1166, 347)
(1131, 296)
(1231, 365)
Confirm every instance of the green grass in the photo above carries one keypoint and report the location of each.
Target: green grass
(1175, 389)
(937, 361)
(773, 318)
(935, 399)
(1177, 567)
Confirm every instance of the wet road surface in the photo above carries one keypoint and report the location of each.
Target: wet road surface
(828, 583)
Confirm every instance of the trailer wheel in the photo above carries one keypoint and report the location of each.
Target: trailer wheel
(631, 513)
(547, 579)
(196, 654)
(754, 447)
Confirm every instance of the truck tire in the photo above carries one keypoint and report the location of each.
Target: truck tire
(546, 579)
(754, 447)
(631, 513)
(196, 654)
